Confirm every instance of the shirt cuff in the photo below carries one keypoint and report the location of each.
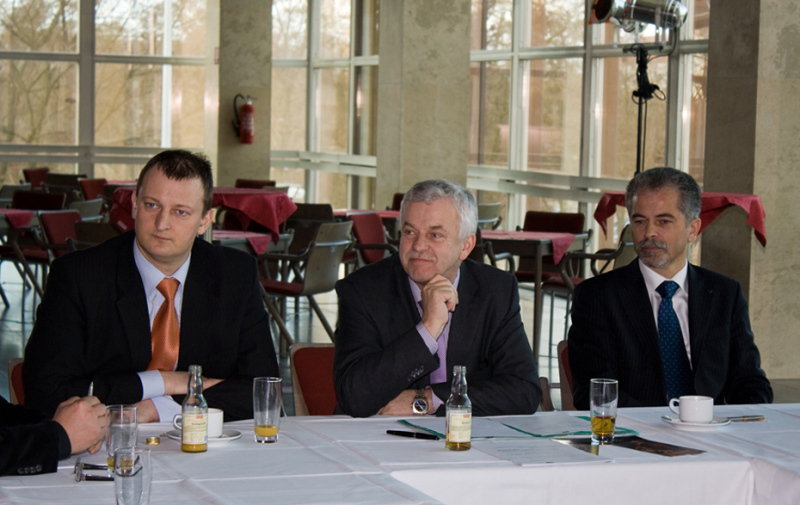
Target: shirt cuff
(152, 384)
(431, 342)
(166, 407)
(436, 403)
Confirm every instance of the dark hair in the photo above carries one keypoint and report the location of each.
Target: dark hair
(654, 179)
(177, 165)
(436, 189)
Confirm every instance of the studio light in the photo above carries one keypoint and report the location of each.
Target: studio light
(626, 13)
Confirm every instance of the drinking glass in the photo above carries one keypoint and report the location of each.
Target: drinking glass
(121, 430)
(603, 406)
(133, 474)
(266, 408)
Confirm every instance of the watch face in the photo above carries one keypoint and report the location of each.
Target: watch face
(420, 405)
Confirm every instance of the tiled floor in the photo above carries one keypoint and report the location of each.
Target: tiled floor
(16, 324)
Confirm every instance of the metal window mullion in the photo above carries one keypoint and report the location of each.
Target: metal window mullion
(86, 87)
(313, 23)
(674, 92)
(166, 78)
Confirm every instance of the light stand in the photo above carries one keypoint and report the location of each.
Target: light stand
(641, 96)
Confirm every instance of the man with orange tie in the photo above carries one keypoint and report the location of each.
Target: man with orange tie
(131, 314)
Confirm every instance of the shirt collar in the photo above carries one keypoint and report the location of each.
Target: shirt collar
(417, 293)
(151, 275)
(653, 279)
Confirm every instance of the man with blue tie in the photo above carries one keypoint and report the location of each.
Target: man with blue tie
(661, 326)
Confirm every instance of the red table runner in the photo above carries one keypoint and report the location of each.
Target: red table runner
(560, 241)
(17, 218)
(267, 208)
(383, 214)
(713, 205)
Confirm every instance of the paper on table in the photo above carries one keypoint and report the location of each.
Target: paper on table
(482, 427)
(538, 452)
(554, 424)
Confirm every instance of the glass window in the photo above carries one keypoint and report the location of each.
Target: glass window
(365, 126)
(129, 107)
(39, 102)
(697, 20)
(41, 26)
(616, 117)
(492, 24)
(331, 117)
(367, 17)
(334, 37)
(289, 29)
(117, 172)
(12, 172)
(556, 22)
(695, 123)
(489, 113)
(288, 114)
(554, 115)
(141, 28)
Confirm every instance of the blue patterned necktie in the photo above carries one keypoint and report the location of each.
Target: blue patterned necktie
(677, 372)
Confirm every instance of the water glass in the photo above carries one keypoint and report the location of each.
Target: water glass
(266, 408)
(121, 430)
(603, 405)
(133, 475)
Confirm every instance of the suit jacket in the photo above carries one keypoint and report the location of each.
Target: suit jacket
(29, 442)
(379, 352)
(93, 325)
(614, 335)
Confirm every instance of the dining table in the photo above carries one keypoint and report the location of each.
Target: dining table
(389, 218)
(545, 458)
(535, 245)
(268, 208)
(713, 205)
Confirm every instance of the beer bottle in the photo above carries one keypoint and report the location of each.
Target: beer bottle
(194, 432)
(458, 415)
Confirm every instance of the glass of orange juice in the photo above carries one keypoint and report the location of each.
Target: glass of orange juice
(266, 408)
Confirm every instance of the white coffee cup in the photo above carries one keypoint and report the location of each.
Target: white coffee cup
(693, 409)
(214, 422)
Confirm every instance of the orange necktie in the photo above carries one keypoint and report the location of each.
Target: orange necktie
(166, 333)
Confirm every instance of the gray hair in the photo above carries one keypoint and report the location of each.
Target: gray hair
(436, 189)
(654, 179)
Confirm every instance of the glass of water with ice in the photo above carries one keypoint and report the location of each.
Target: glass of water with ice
(132, 476)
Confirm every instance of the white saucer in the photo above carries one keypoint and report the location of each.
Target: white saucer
(227, 436)
(715, 423)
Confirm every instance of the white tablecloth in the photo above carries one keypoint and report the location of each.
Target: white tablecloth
(343, 460)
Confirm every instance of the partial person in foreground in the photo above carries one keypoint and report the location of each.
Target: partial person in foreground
(405, 321)
(661, 326)
(32, 443)
(132, 314)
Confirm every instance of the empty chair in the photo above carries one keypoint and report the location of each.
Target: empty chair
(37, 200)
(397, 200)
(35, 176)
(371, 242)
(312, 379)
(58, 227)
(305, 221)
(89, 234)
(8, 190)
(550, 222)
(546, 405)
(88, 208)
(314, 271)
(489, 216)
(253, 183)
(483, 249)
(16, 393)
(565, 376)
(93, 188)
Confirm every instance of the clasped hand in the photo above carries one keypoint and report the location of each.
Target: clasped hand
(439, 298)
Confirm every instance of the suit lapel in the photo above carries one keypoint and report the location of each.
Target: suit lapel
(700, 300)
(200, 295)
(132, 306)
(639, 312)
(462, 326)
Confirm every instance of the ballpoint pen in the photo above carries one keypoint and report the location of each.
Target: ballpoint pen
(91, 389)
(413, 434)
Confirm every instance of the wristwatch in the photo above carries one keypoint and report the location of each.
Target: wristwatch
(420, 403)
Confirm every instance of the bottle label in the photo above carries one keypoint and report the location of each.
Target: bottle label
(459, 426)
(195, 429)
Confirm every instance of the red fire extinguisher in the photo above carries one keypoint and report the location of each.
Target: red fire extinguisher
(244, 124)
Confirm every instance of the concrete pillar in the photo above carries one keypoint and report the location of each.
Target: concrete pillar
(423, 93)
(753, 146)
(245, 67)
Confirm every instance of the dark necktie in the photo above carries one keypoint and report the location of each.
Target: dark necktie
(677, 371)
(165, 333)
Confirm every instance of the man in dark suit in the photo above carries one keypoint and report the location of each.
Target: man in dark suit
(660, 326)
(106, 315)
(404, 322)
(31, 443)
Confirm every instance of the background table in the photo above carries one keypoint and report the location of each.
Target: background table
(344, 460)
(535, 245)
